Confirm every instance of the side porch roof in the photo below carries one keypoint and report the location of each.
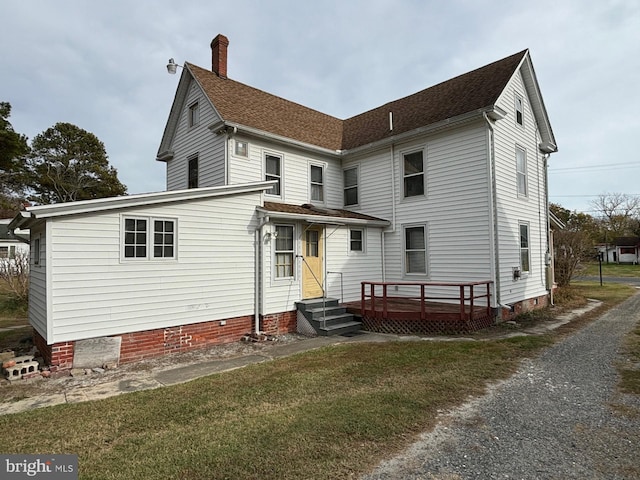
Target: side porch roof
(314, 214)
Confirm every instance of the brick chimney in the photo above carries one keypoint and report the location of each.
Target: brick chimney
(219, 55)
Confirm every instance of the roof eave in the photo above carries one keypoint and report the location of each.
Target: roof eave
(144, 199)
(325, 219)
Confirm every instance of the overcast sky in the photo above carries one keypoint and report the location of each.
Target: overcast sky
(101, 66)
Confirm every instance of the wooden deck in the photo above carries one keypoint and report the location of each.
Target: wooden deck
(456, 308)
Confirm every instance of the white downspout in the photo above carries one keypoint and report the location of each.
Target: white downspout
(258, 290)
(393, 210)
(493, 213)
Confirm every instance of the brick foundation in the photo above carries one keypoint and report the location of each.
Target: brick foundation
(145, 344)
(525, 306)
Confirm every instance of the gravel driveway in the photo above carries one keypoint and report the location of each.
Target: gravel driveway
(559, 417)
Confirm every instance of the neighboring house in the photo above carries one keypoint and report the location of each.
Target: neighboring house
(269, 203)
(626, 250)
(10, 242)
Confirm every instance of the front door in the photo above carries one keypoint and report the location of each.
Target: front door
(312, 268)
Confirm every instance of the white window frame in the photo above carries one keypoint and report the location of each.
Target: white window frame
(521, 172)
(405, 251)
(150, 241)
(363, 245)
(241, 148)
(193, 114)
(292, 251)
(164, 234)
(519, 109)
(36, 251)
(350, 187)
(320, 185)
(406, 175)
(197, 160)
(272, 176)
(523, 249)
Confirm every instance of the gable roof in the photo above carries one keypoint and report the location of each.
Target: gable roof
(474, 92)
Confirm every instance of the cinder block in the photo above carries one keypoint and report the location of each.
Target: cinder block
(25, 368)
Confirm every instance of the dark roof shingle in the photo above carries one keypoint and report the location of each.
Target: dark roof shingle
(248, 106)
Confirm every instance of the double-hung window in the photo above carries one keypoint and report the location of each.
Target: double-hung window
(194, 114)
(519, 108)
(413, 173)
(521, 171)
(192, 174)
(273, 169)
(147, 238)
(350, 176)
(316, 175)
(415, 250)
(241, 149)
(525, 264)
(356, 240)
(284, 252)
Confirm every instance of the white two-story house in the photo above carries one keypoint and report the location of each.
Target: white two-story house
(270, 203)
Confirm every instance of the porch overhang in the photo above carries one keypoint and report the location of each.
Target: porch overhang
(319, 215)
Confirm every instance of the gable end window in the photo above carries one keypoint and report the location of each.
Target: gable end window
(519, 107)
(273, 169)
(525, 264)
(316, 186)
(521, 171)
(415, 250)
(413, 174)
(194, 114)
(142, 244)
(192, 181)
(350, 176)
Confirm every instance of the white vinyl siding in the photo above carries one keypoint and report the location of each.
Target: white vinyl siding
(198, 139)
(513, 208)
(38, 281)
(94, 293)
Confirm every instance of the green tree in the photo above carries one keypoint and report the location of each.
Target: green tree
(68, 163)
(13, 149)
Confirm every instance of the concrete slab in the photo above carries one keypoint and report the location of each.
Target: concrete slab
(191, 372)
(32, 403)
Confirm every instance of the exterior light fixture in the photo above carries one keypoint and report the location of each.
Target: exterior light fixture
(172, 66)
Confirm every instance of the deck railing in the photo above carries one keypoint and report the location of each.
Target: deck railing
(380, 300)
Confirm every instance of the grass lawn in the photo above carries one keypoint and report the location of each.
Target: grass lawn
(12, 312)
(609, 270)
(325, 414)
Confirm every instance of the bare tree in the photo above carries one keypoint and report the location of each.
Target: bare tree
(14, 272)
(620, 211)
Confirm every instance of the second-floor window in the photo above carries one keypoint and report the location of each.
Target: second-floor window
(350, 186)
(194, 114)
(192, 180)
(317, 183)
(521, 171)
(413, 173)
(273, 169)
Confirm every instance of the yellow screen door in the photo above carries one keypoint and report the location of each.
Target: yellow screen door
(312, 277)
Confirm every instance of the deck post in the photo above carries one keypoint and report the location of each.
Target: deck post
(384, 300)
(373, 299)
(462, 302)
(488, 299)
(363, 309)
(423, 313)
(471, 302)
